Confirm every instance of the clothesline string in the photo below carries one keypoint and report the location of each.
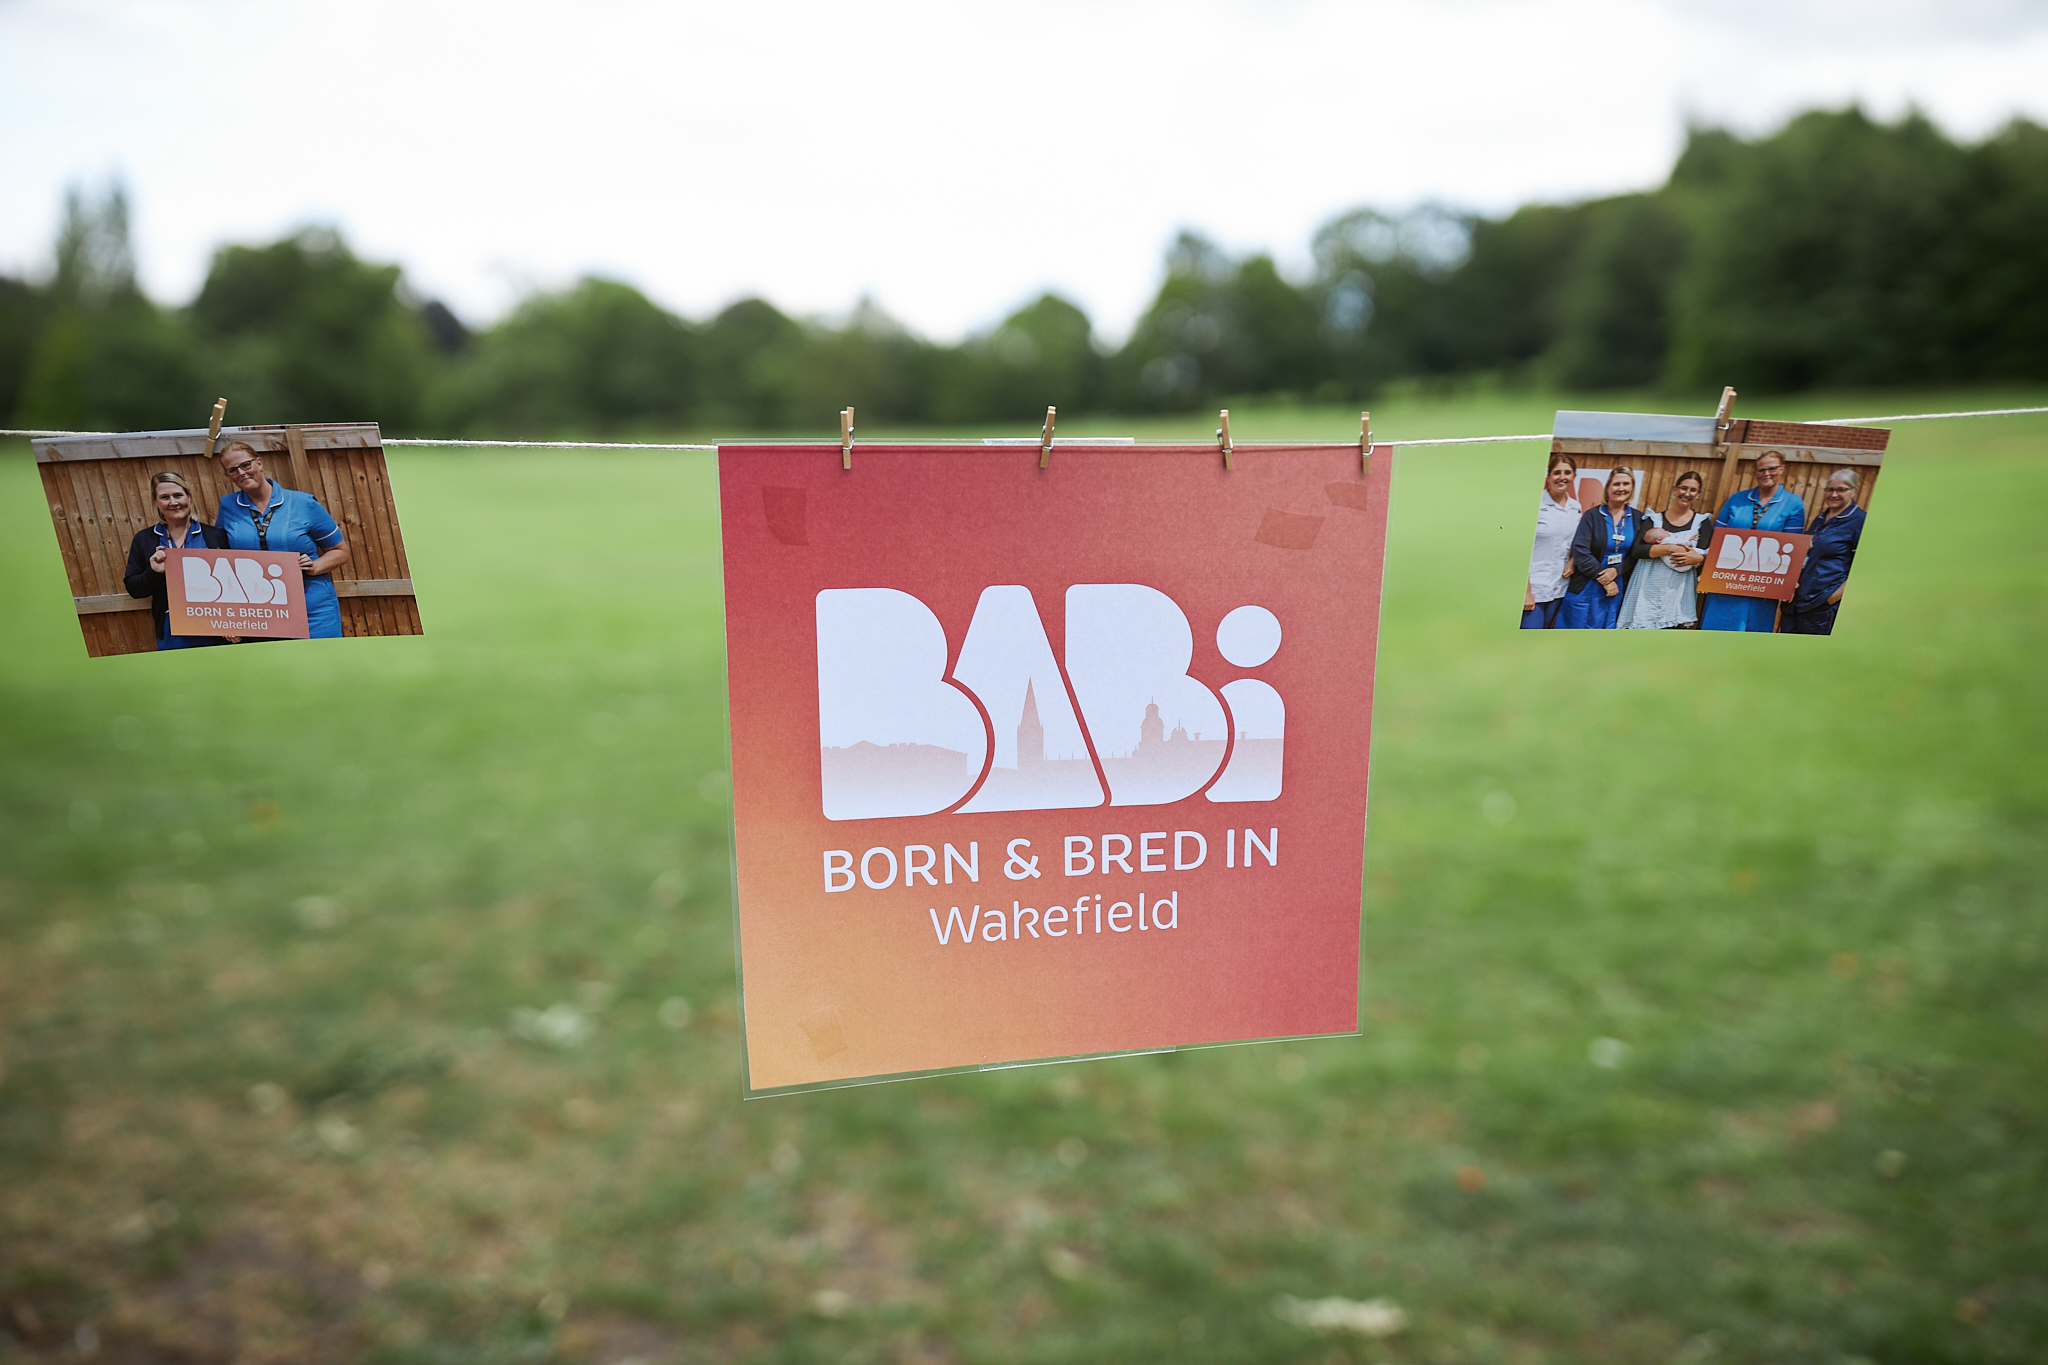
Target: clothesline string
(498, 444)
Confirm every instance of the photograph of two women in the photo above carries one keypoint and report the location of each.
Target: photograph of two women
(315, 499)
(1651, 522)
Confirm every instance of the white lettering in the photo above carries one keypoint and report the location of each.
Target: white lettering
(1271, 850)
(230, 589)
(869, 857)
(838, 863)
(1201, 850)
(255, 584)
(953, 924)
(200, 585)
(971, 864)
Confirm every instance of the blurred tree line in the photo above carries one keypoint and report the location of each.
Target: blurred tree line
(1836, 251)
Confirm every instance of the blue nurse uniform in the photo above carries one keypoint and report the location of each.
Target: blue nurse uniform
(1602, 542)
(1828, 561)
(1727, 611)
(292, 522)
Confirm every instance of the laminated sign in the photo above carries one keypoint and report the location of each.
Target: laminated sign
(1755, 563)
(236, 592)
(1041, 762)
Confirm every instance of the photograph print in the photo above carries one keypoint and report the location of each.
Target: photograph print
(180, 540)
(1648, 522)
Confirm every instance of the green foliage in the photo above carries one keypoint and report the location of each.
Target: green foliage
(1844, 251)
(1613, 323)
(754, 351)
(1499, 310)
(1217, 328)
(1377, 276)
(1837, 250)
(873, 363)
(1832, 255)
(95, 353)
(22, 311)
(125, 365)
(303, 331)
(598, 357)
(1044, 354)
(300, 330)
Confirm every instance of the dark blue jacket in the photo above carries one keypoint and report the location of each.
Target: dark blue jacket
(1589, 547)
(1829, 557)
(143, 581)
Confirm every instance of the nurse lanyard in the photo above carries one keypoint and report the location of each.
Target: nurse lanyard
(1614, 535)
(262, 523)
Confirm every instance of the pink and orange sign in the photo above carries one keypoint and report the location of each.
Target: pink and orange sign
(1037, 763)
(1755, 563)
(250, 593)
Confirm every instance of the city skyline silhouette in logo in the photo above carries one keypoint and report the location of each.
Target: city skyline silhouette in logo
(1007, 730)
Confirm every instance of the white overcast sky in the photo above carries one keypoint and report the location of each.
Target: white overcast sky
(949, 160)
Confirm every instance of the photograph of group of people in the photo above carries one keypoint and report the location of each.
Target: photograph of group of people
(1626, 522)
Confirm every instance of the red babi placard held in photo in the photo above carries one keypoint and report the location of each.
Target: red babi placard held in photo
(1755, 563)
(247, 593)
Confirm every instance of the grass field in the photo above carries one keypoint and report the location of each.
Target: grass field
(376, 1001)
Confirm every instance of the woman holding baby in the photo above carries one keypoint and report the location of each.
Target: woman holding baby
(1662, 590)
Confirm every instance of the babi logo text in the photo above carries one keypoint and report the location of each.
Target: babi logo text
(239, 580)
(1752, 554)
(1115, 719)
(1755, 563)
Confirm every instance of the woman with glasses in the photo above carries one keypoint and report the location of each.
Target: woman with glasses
(1836, 530)
(1600, 557)
(1660, 591)
(176, 530)
(263, 515)
(1550, 555)
(1770, 506)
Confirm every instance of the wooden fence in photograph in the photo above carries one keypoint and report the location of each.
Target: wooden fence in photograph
(98, 490)
(1812, 454)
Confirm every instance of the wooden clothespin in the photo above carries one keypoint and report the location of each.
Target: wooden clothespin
(1364, 441)
(1722, 418)
(846, 438)
(1724, 488)
(1045, 439)
(1223, 437)
(220, 411)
